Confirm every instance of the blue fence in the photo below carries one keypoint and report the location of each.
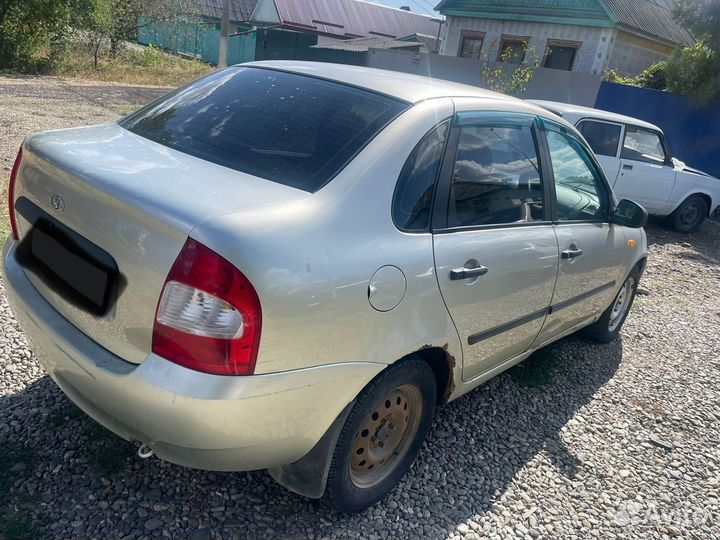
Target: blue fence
(693, 132)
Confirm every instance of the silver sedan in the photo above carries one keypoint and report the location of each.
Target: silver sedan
(288, 265)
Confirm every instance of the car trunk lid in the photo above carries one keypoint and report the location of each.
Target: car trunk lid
(135, 200)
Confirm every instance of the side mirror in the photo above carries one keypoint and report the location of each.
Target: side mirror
(630, 214)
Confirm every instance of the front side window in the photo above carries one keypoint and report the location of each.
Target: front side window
(292, 129)
(512, 50)
(602, 137)
(496, 179)
(471, 45)
(579, 189)
(412, 203)
(643, 145)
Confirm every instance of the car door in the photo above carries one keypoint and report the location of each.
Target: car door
(604, 139)
(496, 254)
(646, 173)
(592, 251)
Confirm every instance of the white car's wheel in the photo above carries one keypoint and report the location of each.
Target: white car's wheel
(688, 217)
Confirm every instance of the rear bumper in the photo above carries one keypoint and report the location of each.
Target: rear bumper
(189, 418)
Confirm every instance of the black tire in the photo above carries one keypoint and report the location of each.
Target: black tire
(688, 217)
(607, 328)
(350, 487)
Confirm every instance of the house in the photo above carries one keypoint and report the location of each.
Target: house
(286, 29)
(589, 36)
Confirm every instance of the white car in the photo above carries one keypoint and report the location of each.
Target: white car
(641, 168)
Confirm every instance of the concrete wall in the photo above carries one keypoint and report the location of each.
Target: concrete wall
(595, 49)
(552, 84)
(634, 54)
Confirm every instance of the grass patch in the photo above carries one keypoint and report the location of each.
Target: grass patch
(536, 371)
(107, 453)
(151, 67)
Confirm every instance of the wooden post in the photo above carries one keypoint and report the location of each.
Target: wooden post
(224, 33)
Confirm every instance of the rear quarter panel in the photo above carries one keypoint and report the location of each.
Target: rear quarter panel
(311, 262)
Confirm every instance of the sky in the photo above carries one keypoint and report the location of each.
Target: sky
(418, 6)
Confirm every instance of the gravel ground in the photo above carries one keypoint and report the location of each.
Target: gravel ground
(580, 441)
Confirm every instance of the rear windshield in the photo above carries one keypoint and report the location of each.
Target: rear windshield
(296, 130)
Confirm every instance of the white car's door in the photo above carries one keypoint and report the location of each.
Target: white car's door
(604, 139)
(646, 173)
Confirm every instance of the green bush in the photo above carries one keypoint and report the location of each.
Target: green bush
(33, 33)
(613, 76)
(694, 71)
(654, 77)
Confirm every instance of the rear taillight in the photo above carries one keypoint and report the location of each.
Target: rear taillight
(208, 318)
(11, 196)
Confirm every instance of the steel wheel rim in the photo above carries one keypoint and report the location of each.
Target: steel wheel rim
(690, 214)
(621, 304)
(385, 436)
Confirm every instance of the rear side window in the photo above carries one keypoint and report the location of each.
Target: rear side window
(496, 178)
(603, 138)
(292, 129)
(412, 202)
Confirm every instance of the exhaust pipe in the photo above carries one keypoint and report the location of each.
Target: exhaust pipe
(145, 452)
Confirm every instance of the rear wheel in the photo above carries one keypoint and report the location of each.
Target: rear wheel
(688, 217)
(607, 327)
(382, 435)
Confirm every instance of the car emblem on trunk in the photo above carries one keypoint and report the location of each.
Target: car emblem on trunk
(57, 202)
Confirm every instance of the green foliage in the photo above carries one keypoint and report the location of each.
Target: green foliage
(694, 71)
(511, 76)
(152, 57)
(702, 17)
(654, 77)
(33, 32)
(613, 76)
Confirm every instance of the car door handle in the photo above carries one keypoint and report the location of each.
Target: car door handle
(467, 273)
(571, 253)
(627, 167)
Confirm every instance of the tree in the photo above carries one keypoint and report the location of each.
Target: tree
(694, 71)
(702, 18)
(33, 32)
(97, 24)
(512, 74)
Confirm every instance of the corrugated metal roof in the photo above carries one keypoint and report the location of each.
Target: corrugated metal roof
(430, 42)
(353, 18)
(652, 17)
(240, 10)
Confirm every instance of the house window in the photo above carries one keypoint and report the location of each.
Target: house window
(512, 50)
(561, 55)
(471, 44)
